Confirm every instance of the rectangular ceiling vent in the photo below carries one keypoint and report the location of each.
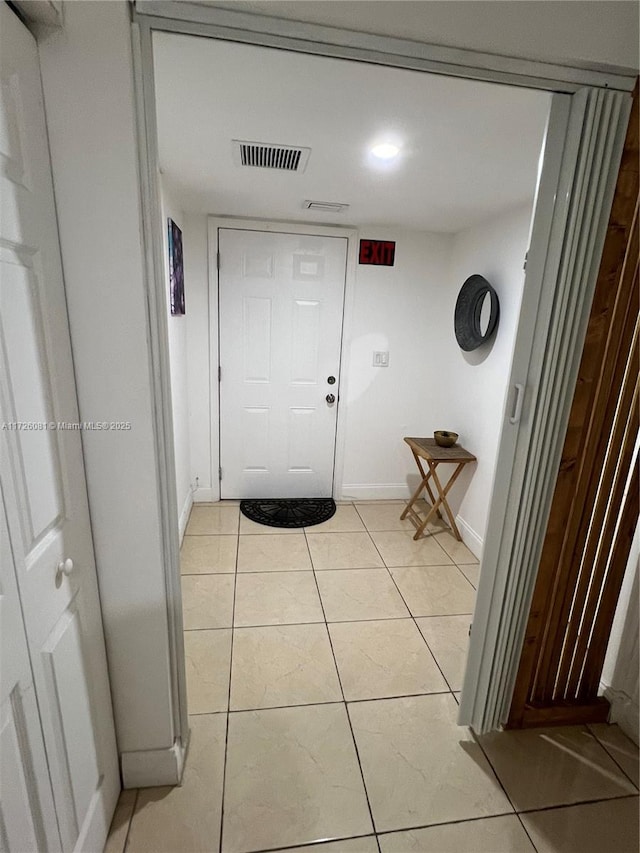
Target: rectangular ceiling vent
(325, 206)
(265, 155)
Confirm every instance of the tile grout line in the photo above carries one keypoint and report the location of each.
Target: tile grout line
(344, 701)
(411, 616)
(393, 580)
(314, 845)
(443, 692)
(334, 621)
(504, 790)
(460, 822)
(320, 844)
(131, 817)
(464, 576)
(606, 751)
(226, 737)
(612, 756)
(592, 802)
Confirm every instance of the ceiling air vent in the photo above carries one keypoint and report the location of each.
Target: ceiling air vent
(265, 155)
(325, 206)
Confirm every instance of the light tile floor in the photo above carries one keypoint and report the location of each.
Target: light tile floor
(323, 674)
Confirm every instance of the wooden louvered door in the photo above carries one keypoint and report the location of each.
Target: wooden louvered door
(595, 505)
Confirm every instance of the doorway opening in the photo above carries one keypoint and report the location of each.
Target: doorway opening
(279, 300)
(362, 560)
(456, 200)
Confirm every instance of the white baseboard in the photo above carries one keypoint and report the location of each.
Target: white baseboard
(471, 539)
(368, 492)
(624, 711)
(207, 496)
(400, 491)
(184, 515)
(153, 767)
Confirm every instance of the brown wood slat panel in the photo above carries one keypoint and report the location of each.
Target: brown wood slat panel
(565, 714)
(598, 647)
(610, 365)
(596, 545)
(570, 673)
(570, 565)
(562, 589)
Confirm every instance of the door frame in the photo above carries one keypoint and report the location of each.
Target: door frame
(577, 83)
(279, 226)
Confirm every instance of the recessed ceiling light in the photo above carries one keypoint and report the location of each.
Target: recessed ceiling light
(385, 151)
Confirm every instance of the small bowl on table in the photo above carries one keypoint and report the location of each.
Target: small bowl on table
(445, 438)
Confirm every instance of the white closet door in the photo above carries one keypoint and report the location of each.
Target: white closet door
(41, 467)
(27, 817)
(583, 146)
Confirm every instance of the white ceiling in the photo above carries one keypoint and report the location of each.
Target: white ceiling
(469, 149)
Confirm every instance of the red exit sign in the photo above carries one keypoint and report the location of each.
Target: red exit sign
(381, 253)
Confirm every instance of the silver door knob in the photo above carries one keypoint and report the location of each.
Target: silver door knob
(330, 398)
(65, 567)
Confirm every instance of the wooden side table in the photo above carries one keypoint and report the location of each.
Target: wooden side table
(434, 455)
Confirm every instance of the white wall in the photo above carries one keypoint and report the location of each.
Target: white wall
(474, 389)
(177, 338)
(392, 310)
(430, 383)
(389, 310)
(88, 89)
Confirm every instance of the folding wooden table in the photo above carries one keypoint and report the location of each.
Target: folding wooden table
(434, 455)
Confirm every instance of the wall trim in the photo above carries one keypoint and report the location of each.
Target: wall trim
(153, 768)
(41, 15)
(184, 515)
(304, 37)
(151, 230)
(206, 496)
(374, 492)
(624, 711)
(472, 539)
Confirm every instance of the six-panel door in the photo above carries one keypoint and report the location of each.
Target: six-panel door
(281, 306)
(27, 816)
(41, 466)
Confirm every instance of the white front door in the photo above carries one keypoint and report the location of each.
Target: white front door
(41, 466)
(281, 299)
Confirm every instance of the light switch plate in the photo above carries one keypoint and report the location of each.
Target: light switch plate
(381, 359)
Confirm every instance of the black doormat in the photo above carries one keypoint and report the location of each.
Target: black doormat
(289, 512)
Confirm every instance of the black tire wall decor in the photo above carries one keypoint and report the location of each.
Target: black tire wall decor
(468, 312)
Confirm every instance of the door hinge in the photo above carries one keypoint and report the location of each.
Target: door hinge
(526, 258)
(219, 374)
(218, 260)
(220, 473)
